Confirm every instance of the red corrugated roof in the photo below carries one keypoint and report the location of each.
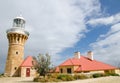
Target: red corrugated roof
(85, 64)
(27, 62)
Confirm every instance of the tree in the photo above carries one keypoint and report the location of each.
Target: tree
(43, 64)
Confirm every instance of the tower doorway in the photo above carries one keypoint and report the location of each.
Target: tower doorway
(27, 72)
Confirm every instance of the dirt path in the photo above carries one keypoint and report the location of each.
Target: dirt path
(110, 79)
(16, 80)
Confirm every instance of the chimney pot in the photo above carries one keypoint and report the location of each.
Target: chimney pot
(77, 55)
(90, 55)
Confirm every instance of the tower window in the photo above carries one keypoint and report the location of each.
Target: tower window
(69, 70)
(15, 68)
(16, 52)
(18, 39)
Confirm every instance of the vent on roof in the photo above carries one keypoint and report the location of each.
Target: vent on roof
(90, 55)
(77, 55)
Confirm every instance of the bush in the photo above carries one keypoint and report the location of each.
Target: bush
(69, 78)
(49, 78)
(112, 74)
(35, 79)
(65, 77)
(1, 75)
(60, 77)
(53, 75)
(82, 76)
(41, 80)
(96, 75)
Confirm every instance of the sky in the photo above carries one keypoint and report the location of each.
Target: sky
(62, 27)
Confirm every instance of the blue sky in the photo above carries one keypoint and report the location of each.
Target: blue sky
(62, 27)
(108, 8)
(111, 7)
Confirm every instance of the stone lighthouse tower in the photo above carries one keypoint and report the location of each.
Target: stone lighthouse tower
(17, 36)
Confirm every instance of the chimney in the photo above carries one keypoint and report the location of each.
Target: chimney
(77, 55)
(90, 55)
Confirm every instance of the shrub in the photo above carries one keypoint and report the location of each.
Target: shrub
(49, 78)
(55, 75)
(59, 78)
(41, 80)
(81, 76)
(35, 79)
(96, 75)
(1, 75)
(65, 77)
(69, 78)
(111, 74)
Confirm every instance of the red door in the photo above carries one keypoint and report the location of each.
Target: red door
(28, 72)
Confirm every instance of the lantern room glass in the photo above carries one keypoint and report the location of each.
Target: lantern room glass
(19, 23)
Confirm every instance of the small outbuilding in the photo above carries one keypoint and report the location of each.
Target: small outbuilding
(27, 68)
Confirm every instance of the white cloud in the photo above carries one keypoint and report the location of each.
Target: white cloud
(61, 24)
(54, 25)
(107, 47)
(105, 20)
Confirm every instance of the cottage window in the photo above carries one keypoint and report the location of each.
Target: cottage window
(61, 70)
(86, 71)
(69, 70)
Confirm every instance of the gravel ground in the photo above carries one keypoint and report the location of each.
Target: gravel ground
(110, 79)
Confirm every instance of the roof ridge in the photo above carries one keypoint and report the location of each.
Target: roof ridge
(71, 61)
(105, 63)
(28, 61)
(24, 60)
(64, 61)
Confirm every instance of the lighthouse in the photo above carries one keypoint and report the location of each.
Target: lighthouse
(17, 36)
